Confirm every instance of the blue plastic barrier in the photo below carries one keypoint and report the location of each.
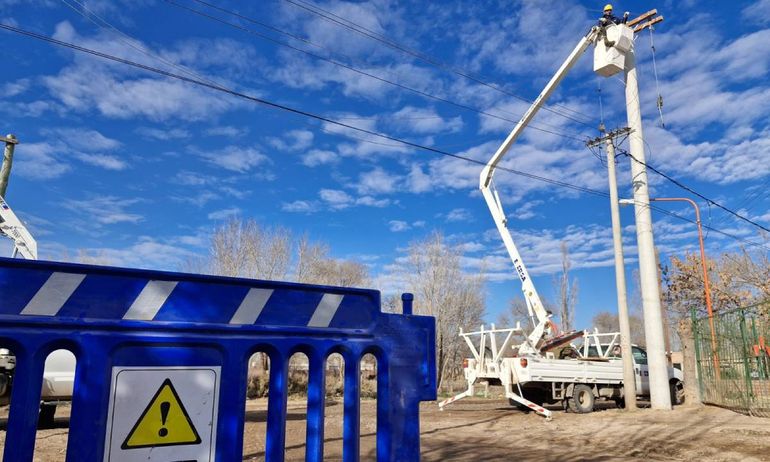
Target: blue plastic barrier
(123, 321)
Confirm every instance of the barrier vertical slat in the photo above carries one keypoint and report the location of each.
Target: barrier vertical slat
(383, 409)
(276, 408)
(232, 406)
(316, 400)
(404, 414)
(352, 420)
(25, 405)
(91, 379)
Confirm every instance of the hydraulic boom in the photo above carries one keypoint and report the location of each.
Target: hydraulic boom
(543, 324)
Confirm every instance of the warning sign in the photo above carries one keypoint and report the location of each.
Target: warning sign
(165, 422)
(161, 414)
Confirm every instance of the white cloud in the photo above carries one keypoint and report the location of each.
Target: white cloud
(300, 206)
(527, 210)
(224, 213)
(293, 140)
(102, 160)
(84, 139)
(459, 215)
(223, 57)
(398, 226)
(226, 130)
(40, 161)
(377, 181)
(236, 159)
(104, 210)
(115, 91)
(11, 89)
(417, 181)
(758, 12)
(723, 161)
(372, 202)
(163, 134)
(197, 198)
(316, 157)
(146, 252)
(336, 198)
(515, 45)
(423, 120)
(189, 178)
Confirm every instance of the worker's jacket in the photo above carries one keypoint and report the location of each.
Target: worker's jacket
(609, 18)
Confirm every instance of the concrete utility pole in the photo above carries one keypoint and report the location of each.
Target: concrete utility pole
(629, 376)
(5, 170)
(660, 396)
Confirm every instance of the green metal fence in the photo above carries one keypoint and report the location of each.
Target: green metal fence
(734, 367)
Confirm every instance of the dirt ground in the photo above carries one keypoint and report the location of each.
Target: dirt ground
(490, 430)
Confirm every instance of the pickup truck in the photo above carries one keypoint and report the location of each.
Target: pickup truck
(576, 380)
(58, 381)
(577, 383)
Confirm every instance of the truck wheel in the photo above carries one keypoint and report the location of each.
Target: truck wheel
(677, 392)
(582, 401)
(46, 417)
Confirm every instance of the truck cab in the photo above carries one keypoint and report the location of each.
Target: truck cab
(641, 371)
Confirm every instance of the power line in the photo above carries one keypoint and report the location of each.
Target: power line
(424, 57)
(282, 107)
(357, 70)
(102, 23)
(692, 191)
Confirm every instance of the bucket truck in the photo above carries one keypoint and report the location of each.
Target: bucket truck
(536, 375)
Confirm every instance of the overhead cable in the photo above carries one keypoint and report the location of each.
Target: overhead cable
(692, 191)
(321, 118)
(329, 16)
(351, 68)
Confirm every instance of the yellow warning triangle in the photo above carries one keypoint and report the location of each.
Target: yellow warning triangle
(164, 422)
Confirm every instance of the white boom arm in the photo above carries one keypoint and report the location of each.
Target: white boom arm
(486, 185)
(12, 227)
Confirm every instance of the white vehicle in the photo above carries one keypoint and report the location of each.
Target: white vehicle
(535, 373)
(574, 376)
(59, 375)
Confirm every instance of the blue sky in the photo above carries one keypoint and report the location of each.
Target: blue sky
(138, 168)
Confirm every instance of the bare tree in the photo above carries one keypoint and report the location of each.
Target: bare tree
(315, 266)
(606, 321)
(444, 291)
(751, 271)
(244, 248)
(517, 312)
(567, 297)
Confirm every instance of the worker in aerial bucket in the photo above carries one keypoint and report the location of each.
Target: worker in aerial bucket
(608, 18)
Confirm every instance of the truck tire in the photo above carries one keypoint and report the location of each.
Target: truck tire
(677, 392)
(582, 401)
(46, 416)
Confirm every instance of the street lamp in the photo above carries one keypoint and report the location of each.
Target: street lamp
(706, 283)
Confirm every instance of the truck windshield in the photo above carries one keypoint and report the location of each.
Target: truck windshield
(640, 356)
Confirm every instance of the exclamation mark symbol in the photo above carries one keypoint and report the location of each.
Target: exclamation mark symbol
(165, 406)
